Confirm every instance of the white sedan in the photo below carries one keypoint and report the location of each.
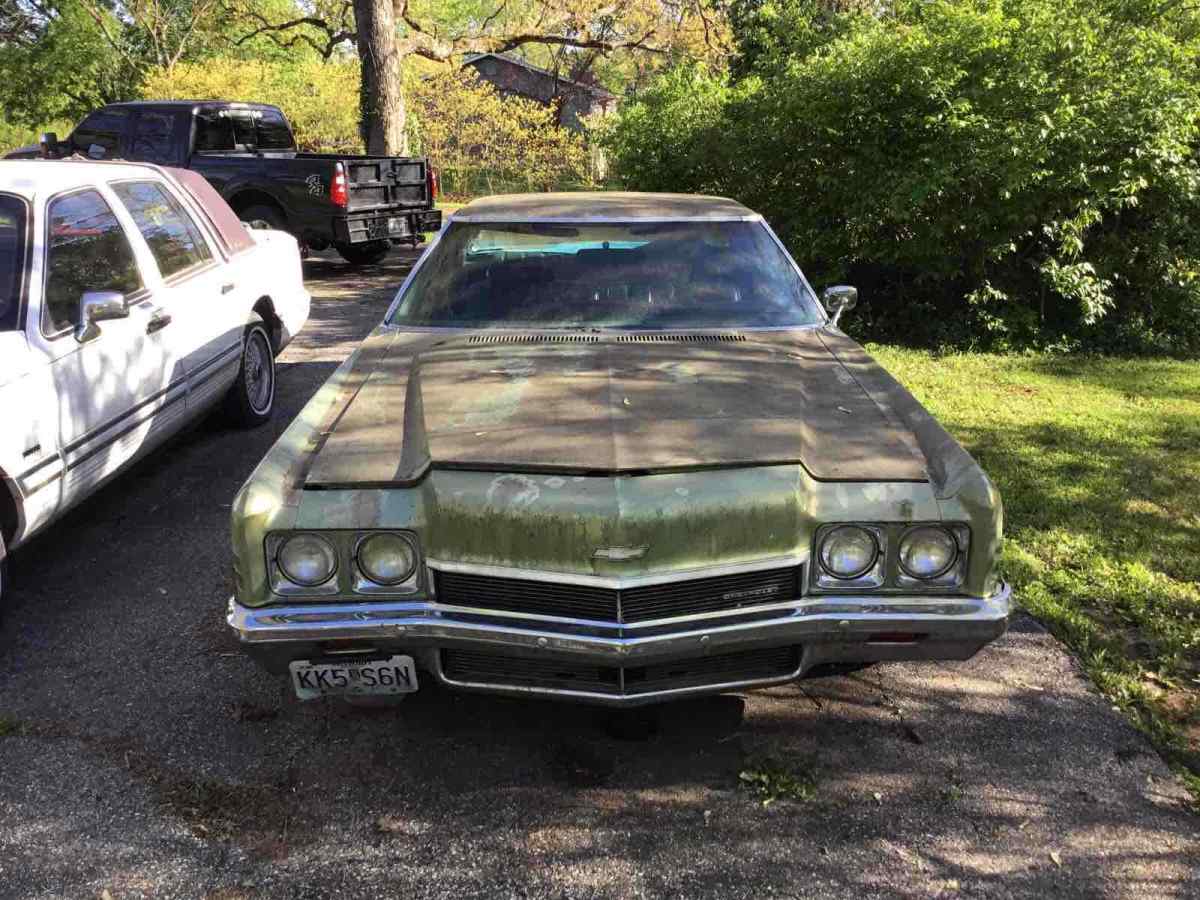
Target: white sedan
(132, 301)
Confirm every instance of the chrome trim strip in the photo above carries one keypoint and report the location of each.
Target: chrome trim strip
(616, 582)
(179, 382)
(617, 628)
(517, 219)
(964, 619)
(621, 698)
(412, 273)
(603, 333)
(816, 299)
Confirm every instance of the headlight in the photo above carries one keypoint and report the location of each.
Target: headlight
(307, 559)
(927, 552)
(387, 559)
(849, 552)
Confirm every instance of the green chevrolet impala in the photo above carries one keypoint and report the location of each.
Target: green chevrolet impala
(610, 448)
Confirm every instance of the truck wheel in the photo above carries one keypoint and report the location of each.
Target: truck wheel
(367, 254)
(263, 215)
(251, 400)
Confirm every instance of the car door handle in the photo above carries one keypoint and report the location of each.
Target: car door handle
(158, 321)
(226, 288)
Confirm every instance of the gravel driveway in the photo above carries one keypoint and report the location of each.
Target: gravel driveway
(142, 756)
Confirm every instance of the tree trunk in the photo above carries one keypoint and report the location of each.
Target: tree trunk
(383, 122)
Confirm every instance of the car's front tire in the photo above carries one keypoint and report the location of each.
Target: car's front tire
(367, 254)
(251, 400)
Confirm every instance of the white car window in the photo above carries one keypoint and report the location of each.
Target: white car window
(174, 238)
(12, 259)
(86, 250)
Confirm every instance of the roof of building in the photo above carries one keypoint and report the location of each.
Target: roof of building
(49, 176)
(517, 61)
(581, 206)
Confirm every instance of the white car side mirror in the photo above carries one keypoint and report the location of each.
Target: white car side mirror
(95, 307)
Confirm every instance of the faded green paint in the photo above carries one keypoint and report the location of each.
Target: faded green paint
(557, 522)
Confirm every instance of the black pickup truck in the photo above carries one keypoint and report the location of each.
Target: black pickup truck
(360, 205)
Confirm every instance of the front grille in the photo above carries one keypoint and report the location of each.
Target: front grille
(640, 604)
(473, 667)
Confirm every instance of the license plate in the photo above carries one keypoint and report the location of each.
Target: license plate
(396, 675)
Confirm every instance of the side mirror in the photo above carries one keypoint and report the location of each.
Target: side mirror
(838, 299)
(49, 144)
(96, 307)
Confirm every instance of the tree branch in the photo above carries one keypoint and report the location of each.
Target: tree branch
(335, 35)
(97, 15)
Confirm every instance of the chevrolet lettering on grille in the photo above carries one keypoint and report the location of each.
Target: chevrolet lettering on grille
(752, 593)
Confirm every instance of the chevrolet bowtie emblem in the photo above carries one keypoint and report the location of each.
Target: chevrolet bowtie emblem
(619, 554)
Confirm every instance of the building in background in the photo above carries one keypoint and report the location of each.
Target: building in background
(512, 76)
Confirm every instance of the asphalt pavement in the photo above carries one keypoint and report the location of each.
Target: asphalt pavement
(142, 756)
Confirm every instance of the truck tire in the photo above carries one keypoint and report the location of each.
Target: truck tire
(261, 215)
(367, 254)
(251, 400)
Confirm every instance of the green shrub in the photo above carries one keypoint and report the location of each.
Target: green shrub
(990, 172)
(319, 98)
(484, 143)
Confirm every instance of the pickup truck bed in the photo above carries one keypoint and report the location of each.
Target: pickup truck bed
(360, 205)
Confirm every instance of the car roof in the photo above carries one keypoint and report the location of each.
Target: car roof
(612, 206)
(30, 177)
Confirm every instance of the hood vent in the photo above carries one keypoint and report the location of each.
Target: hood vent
(678, 338)
(548, 338)
(575, 338)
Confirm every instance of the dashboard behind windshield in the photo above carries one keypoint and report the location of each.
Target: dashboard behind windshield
(638, 275)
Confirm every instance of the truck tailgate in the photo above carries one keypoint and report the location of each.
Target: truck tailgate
(379, 182)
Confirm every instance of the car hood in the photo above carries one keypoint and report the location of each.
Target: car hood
(589, 404)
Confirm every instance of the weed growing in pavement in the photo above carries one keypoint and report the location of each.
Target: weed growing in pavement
(769, 779)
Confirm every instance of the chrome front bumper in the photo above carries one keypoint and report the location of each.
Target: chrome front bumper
(840, 629)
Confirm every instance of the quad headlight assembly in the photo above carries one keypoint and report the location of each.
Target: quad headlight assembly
(312, 563)
(870, 556)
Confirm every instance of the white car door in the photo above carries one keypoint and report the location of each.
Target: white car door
(117, 386)
(197, 289)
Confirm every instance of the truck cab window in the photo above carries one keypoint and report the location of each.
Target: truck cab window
(273, 131)
(12, 259)
(214, 132)
(152, 133)
(243, 128)
(99, 135)
(174, 239)
(86, 250)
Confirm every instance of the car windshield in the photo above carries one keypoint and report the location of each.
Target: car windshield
(645, 275)
(12, 259)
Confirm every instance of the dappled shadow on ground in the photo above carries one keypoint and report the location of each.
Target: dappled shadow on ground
(1157, 378)
(926, 779)
(1055, 474)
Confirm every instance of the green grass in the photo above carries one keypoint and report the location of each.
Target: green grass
(1098, 462)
